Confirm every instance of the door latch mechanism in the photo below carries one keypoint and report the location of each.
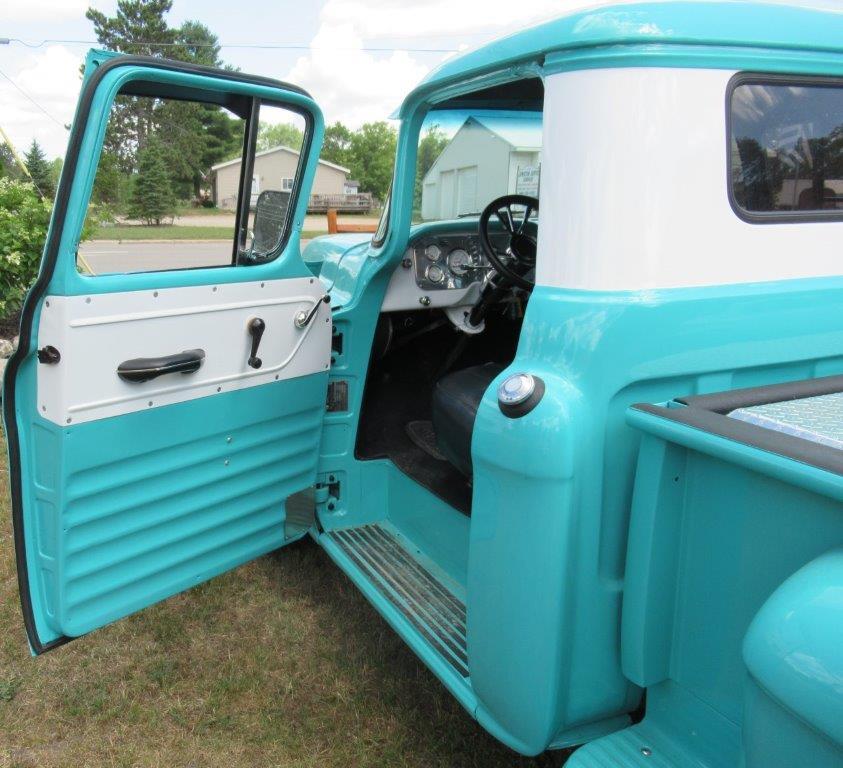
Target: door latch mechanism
(256, 328)
(302, 318)
(49, 355)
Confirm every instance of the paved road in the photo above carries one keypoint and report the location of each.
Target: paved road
(312, 222)
(109, 256)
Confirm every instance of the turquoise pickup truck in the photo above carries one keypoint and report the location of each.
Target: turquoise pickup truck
(571, 420)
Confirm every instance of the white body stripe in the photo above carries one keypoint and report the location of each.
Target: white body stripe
(94, 334)
(634, 191)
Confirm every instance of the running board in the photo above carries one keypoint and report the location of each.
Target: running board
(437, 614)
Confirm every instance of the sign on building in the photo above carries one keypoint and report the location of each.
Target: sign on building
(527, 180)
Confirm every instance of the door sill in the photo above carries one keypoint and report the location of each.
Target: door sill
(418, 604)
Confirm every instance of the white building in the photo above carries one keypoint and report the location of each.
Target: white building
(497, 155)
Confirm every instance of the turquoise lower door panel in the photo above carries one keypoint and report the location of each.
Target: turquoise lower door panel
(133, 509)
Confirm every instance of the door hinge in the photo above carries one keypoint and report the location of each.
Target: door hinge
(327, 493)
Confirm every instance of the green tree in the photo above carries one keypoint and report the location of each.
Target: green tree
(196, 43)
(108, 182)
(152, 193)
(372, 152)
(195, 135)
(24, 218)
(39, 170)
(430, 147)
(137, 27)
(336, 147)
(8, 165)
(279, 135)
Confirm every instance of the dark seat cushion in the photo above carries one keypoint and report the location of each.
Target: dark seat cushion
(456, 398)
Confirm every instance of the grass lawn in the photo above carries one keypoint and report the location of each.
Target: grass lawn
(279, 663)
(190, 210)
(172, 232)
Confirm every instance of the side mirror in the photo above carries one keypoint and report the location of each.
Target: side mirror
(270, 215)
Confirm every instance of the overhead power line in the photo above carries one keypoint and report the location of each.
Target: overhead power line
(27, 96)
(259, 46)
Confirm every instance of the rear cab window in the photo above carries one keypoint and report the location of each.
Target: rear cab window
(786, 148)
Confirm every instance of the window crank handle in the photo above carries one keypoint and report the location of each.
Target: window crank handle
(256, 328)
(302, 318)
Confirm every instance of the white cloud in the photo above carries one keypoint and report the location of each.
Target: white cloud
(51, 77)
(350, 84)
(389, 18)
(43, 10)
(355, 86)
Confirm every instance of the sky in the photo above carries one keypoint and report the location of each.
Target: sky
(330, 49)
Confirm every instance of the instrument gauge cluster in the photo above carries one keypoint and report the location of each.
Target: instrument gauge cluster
(454, 261)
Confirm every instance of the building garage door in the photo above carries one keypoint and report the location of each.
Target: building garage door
(447, 208)
(467, 190)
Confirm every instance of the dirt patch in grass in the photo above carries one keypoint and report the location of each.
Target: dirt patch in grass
(278, 663)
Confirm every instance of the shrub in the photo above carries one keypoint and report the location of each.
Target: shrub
(24, 218)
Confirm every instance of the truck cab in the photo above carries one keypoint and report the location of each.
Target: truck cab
(571, 419)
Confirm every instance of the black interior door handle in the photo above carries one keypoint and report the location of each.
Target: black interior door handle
(145, 368)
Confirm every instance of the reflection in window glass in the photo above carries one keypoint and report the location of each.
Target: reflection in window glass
(787, 147)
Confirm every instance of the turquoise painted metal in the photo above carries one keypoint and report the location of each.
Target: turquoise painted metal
(609, 552)
(58, 466)
(546, 667)
(136, 508)
(733, 567)
(792, 647)
(711, 34)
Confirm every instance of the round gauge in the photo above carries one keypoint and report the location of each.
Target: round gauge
(433, 252)
(459, 261)
(435, 273)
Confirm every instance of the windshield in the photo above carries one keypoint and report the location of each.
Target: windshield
(467, 158)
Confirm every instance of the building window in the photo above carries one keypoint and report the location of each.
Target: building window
(287, 184)
(786, 148)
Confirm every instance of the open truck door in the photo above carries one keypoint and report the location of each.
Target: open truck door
(159, 421)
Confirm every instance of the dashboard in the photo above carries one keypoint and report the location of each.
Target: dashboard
(440, 269)
(448, 262)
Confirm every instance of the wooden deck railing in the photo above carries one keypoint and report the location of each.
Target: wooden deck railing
(334, 227)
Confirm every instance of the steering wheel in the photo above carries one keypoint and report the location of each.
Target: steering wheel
(519, 258)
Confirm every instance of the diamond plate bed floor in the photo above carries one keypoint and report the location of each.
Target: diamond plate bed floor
(819, 419)
(433, 610)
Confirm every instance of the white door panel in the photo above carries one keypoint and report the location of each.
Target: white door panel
(94, 334)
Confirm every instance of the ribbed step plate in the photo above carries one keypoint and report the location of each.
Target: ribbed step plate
(437, 614)
(633, 747)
